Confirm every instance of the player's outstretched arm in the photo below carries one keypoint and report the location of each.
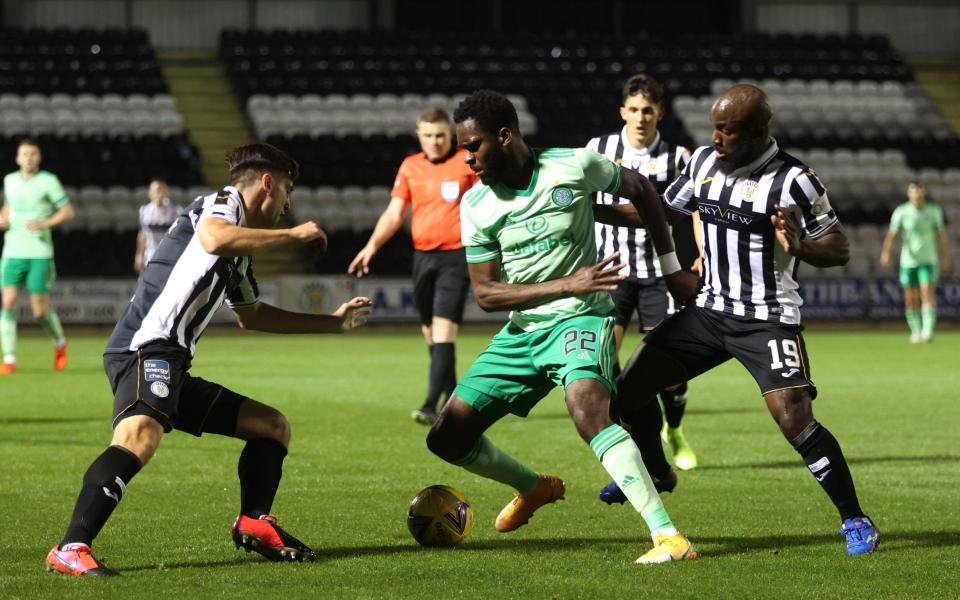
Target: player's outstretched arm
(222, 238)
(619, 215)
(269, 318)
(493, 294)
(387, 225)
(831, 249)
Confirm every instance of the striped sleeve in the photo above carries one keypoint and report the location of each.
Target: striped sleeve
(808, 194)
(224, 206)
(479, 245)
(679, 194)
(247, 292)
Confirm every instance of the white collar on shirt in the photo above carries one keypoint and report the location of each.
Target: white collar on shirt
(641, 151)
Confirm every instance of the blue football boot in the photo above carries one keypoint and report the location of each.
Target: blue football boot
(862, 536)
(612, 494)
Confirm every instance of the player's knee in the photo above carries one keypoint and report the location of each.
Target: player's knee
(442, 444)
(140, 435)
(276, 426)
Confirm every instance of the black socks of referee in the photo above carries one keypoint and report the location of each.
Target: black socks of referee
(674, 405)
(822, 455)
(443, 373)
(104, 484)
(260, 468)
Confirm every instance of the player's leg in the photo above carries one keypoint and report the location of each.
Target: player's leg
(928, 302)
(40, 280)
(13, 275)
(911, 297)
(777, 358)
(449, 300)
(585, 356)
(655, 302)
(142, 413)
(424, 284)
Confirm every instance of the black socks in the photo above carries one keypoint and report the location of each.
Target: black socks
(104, 484)
(443, 373)
(260, 468)
(674, 404)
(822, 455)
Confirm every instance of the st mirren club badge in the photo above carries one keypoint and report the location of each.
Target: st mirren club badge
(652, 167)
(749, 191)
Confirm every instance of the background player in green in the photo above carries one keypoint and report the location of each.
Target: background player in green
(35, 204)
(920, 224)
(528, 229)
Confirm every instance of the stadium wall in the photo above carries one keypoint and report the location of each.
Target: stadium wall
(927, 26)
(102, 301)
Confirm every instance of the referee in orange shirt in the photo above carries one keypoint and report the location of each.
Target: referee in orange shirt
(432, 181)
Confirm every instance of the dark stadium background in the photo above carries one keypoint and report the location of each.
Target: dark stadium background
(116, 91)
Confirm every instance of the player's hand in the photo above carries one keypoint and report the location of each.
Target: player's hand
(787, 230)
(683, 285)
(354, 312)
(360, 265)
(697, 266)
(35, 225)
(601, 277)
(310, 232)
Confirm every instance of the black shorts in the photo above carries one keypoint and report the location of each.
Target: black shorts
(701, 339)
(440, 284)
(154, 381)
(646, 297)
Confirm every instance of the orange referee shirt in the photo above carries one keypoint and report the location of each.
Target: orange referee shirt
(435, 190)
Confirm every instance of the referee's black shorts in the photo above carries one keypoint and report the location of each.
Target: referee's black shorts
(701, 338)
(440, 284)
(154, 381)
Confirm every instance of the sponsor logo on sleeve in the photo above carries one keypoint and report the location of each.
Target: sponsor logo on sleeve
(821, 206)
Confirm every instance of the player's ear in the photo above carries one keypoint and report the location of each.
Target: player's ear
(504, 136)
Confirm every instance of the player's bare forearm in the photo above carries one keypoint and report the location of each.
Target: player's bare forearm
(640, 192)
(270, 319)
(62, 215)
(943, 250)
(829, 250)
(222, 238)
(619, 215)
(493, 296)
(388, 224)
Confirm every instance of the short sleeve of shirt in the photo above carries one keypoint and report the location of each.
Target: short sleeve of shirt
(683, 158)
(401, 185)
(247, 292)
(896, 220)
(55, 191)
(809, 196)
(679, 194)
(478, 244)
(599, 172)
(225, 206)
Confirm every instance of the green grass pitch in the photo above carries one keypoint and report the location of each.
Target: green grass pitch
(764, 527)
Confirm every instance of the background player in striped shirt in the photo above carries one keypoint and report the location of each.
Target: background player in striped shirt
(640, 147)
(203, 261)
(35, 204)
(431, 183)
(923, 256)
(155, 218)
(528, 228)
(762, 212)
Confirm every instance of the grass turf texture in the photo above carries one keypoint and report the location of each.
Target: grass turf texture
(763, 525)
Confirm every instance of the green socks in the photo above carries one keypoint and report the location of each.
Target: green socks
(621, 458)
(913, 321)
(51, 324)
(928, 320)
(8, 333)
(486, 460)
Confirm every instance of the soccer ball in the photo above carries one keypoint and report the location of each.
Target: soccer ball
(439, 517)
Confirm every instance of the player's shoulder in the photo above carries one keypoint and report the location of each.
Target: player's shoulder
(474, 196)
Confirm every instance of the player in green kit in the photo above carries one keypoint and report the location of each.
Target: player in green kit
(528, 229)
(35, 204)
(920, 224)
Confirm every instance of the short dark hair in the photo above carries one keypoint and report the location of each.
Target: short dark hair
(491, 110)
(250, 161)
(28, 141)
(434, 114)
(158, 179)
(651, 89)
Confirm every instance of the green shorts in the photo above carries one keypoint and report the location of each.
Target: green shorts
(38, 274)
(519, 368)
(919, 275)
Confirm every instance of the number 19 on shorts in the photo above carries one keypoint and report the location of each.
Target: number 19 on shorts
(791, 354)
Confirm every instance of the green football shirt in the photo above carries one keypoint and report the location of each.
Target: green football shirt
(918, 230)
(31, 199)
(544, 232)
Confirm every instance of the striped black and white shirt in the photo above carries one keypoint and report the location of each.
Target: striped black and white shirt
(183, 286)
(746, 272)
(660, 163)
(155, 221)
